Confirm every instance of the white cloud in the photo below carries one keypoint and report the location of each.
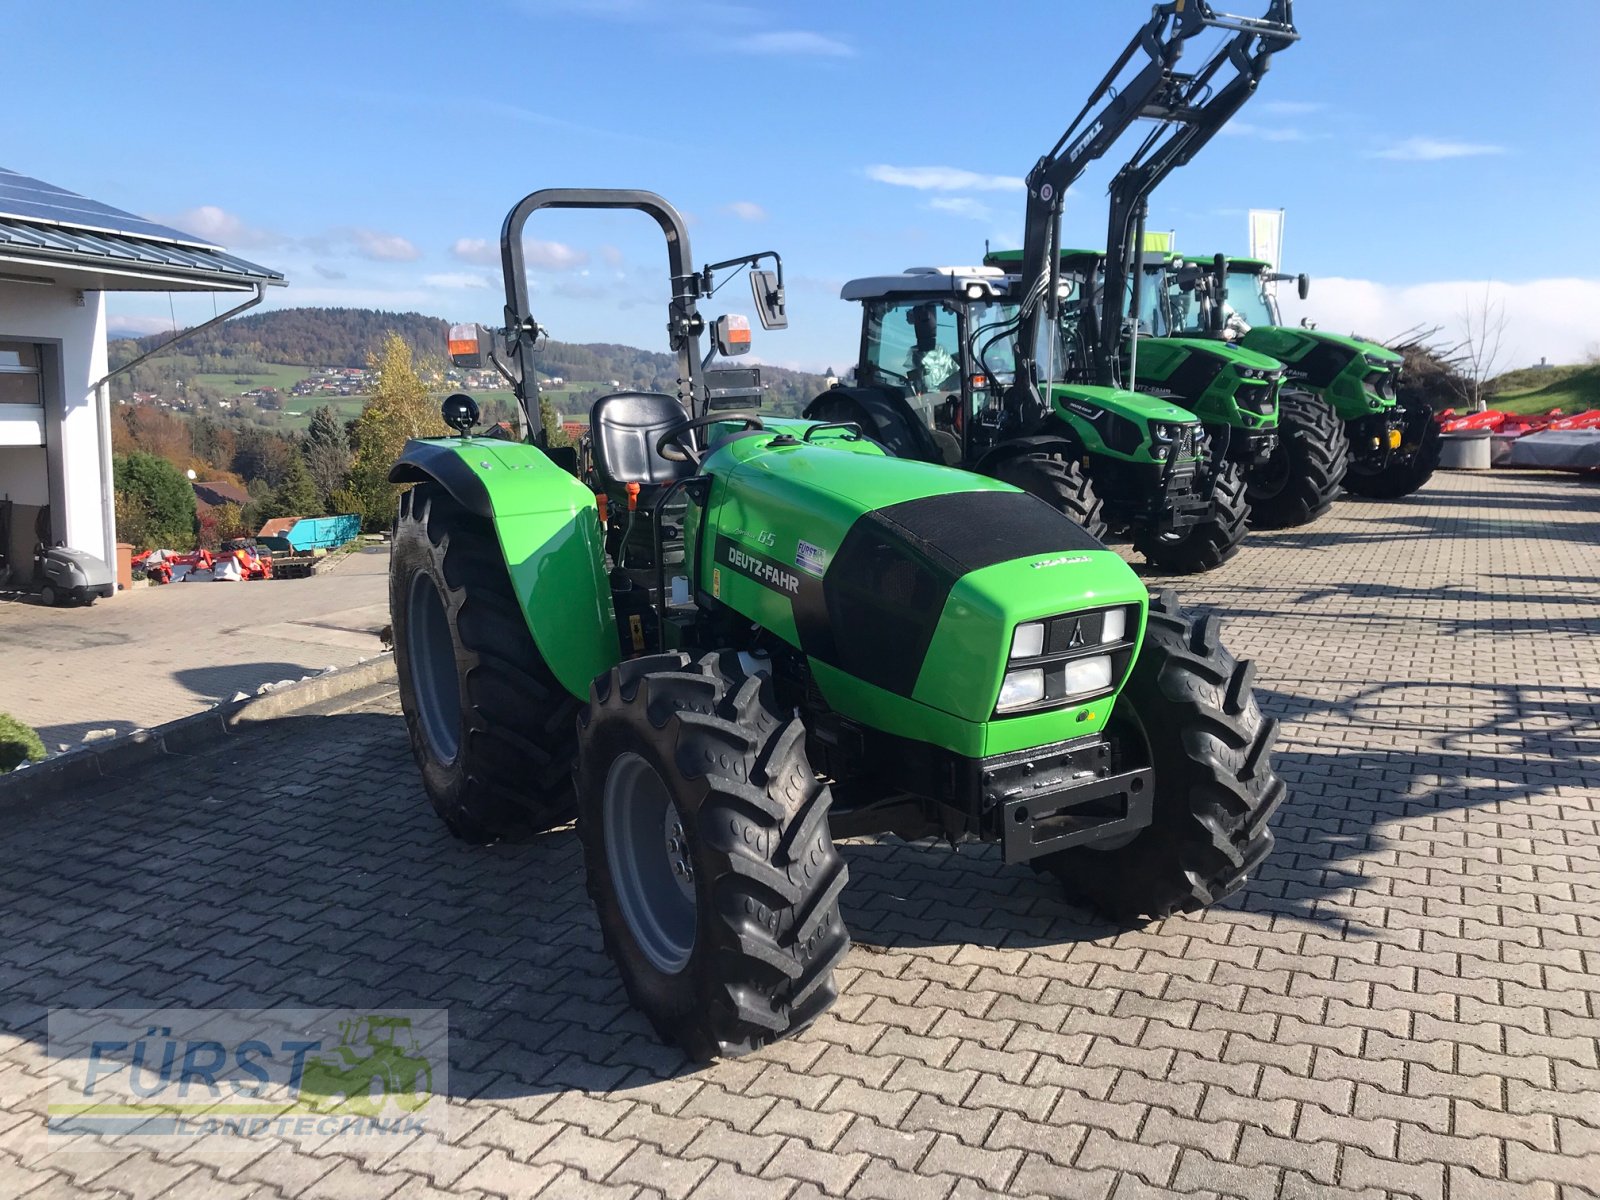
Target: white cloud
(747, 210)
(1424, 149)
(943, 179)
(457, 279)
(611, 256)
(476, 250)
(382, 247)
(800, 42)
(553, 256)
(328, 272)
(962, 206)
(219, 226)
(1550, 318)
(130, 325)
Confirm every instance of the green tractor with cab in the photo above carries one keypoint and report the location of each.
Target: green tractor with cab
(728, 641)
(1343, 421)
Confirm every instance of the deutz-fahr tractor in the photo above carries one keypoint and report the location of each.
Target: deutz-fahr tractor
(1231, 390)
(733, 640)
(1342, 421)
(1023, 402)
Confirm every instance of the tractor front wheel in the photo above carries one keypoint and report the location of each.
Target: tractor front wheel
(1188, 712)
(492, 730)
(1213, 541)
(1298, 483)
(1060, 482)
(1409, 467)
(707, 853)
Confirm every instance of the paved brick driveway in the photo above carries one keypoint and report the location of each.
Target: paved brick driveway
(1404, 1003)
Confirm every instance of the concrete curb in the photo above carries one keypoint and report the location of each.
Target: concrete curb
(115, 757)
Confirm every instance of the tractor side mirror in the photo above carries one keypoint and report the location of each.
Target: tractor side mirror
(1302, 285)
(731, 335)
(769, 300)
(469, 347)
(460, 412)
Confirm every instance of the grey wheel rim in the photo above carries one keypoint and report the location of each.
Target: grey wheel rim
(652, 872)
(431, 660)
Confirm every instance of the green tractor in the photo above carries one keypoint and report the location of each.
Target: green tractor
(1232, 391)
(1342, 421)
(732, 640)
(937, 359)
(1036, 396)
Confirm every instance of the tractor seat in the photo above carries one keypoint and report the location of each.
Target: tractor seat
(625, 427)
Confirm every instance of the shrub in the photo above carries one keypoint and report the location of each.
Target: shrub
(18, 744)
(157, 501)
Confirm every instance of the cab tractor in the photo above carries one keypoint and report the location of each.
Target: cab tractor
(731, 640)
(1046, 408)
(1233, 391)
(1337, 390)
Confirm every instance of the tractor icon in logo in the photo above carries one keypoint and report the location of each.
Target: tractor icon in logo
(375, 1061)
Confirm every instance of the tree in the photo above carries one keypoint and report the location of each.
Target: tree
(327, 452)
(297, 495)
(551, 420)
(156, 499)
(262, 454)
(400, 408)
(1485, 325)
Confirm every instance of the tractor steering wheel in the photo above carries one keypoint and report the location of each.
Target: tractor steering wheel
(674, 447)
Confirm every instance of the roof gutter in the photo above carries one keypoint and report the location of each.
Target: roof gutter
(108, 503)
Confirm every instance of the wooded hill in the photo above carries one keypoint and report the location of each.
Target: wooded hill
(343, 337)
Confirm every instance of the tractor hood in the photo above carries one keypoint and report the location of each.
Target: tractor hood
(1229, 352)
(904, 583)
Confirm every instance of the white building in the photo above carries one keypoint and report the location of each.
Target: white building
(59, 254)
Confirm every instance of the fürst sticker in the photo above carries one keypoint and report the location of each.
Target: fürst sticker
(813, 560)
(244, 1078)
(763, 570)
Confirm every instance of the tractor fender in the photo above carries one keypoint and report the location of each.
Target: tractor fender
(884, 416)
(1052, 442)
(548, 528)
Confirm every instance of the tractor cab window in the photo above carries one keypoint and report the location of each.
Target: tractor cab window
(1248, 299)
(915, 346)
(1153, 313)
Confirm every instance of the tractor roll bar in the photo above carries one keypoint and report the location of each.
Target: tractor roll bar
(684, 323)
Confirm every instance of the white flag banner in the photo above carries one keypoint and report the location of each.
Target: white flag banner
(1266, 238)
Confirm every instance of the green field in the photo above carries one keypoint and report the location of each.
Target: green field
(1572, 389)
(274, 375)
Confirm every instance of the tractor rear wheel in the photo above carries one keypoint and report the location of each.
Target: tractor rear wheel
(1302, 478)
(492, 730)
(1060, 482)
(1188, 711)
(1408, 468)
(1209, 544)
(707, 853)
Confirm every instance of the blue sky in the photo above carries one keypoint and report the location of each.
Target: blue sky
(1423, 150)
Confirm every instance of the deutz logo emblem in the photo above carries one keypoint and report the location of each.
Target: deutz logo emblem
(1077, 639)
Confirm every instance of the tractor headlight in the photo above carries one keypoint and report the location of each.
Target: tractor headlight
(1085, 675)
(1113, 627)
(1028, 640)
(1162, 432)
(1019, 689)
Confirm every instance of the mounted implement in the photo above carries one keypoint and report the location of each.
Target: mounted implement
(731, 639)
(1034, 392)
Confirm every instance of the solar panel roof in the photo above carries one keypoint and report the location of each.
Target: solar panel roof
(27, 199)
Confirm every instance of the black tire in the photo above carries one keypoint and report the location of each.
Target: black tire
(49, 596)
(1189, 712)
(492, 731)
(738, 895)
(1409, 467)
(1209, 544)
(1302, 478)
(1060, 482)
